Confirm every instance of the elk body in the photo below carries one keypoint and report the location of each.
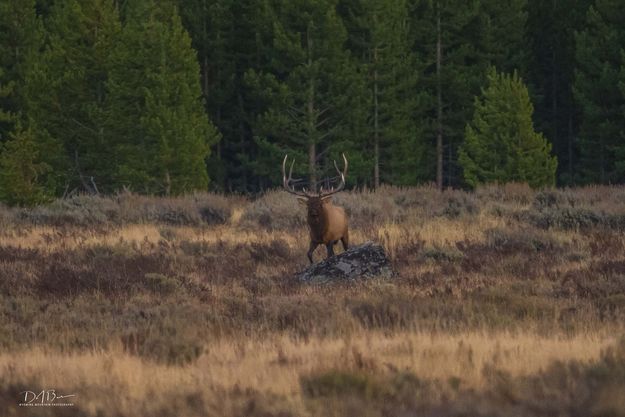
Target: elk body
(327, 222)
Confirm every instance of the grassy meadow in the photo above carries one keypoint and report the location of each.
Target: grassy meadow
(507, 301)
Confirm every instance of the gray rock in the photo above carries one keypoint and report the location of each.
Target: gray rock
(359, 262)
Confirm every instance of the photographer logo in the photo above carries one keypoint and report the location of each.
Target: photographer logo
(46, 398)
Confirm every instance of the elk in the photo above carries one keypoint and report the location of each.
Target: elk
(327, 222)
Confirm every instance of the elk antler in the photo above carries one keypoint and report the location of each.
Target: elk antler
(341, 185)
(286, 182)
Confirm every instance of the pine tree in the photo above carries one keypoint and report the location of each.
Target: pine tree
(6, 116)
(22, 173)
(229, 37)
(500, 142)
(599, 58)
(21, 37)
(457, 42)
(210, 24)
(161, 134)
(620, 150)
(379, 40)
(310, 91)
(551, 39)
(67, 93)
(504, 37)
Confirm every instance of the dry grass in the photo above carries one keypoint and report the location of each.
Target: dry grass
(276, 365)
(53, 239)
(507, 302)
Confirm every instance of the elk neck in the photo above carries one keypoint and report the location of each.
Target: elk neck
(318, 218)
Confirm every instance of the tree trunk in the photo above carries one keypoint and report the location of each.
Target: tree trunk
(601, 160)
(449, 165)
(205, 60)
(242, 142)
(310, 109)
(167, 183)
(312, 175)
(570, 146)
(376, 125)
(554, 91)
(439, 105)
(205, 78)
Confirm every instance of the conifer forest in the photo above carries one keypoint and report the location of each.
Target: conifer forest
(170, 97)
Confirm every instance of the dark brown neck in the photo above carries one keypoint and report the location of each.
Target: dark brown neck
(319, 226)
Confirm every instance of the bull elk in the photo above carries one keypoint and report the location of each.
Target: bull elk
(327, 222)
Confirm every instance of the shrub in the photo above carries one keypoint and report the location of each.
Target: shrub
(510, 192)
(390, 309)
(174, 344)
(86, 210)
(444, 254)
(566, 218)
(275, 250)
(216, 208)
(302, 316)
(366, 209)
(338, 383)
(196, 249)
(459, 204)
(275, 210)
(546, 199)
(7, 216)
(110, 270)
(80, 210)
(501, 308)
(160, 284)
(517, 241)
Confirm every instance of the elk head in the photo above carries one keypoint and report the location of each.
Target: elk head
(327, 223)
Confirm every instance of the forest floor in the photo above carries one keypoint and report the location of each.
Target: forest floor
(508, 301)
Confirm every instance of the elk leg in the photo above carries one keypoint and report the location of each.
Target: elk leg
(345, 241)
(330, 248)
(311, 249)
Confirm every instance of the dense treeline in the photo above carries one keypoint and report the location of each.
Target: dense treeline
(167, 97)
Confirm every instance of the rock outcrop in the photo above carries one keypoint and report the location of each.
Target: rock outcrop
(359, 262)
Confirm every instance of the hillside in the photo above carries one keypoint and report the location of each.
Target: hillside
(507, 301)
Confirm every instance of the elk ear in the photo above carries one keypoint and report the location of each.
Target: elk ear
(326, 198)
(302, 200)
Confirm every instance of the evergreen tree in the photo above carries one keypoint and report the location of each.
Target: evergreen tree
(620, 150)
(21, 37)
(458, 41)
(311, 91)
(67, 93)
(22, 174)
(500, 142)
(550, 35)
(210, 24)
(229, 37)
(160, 132)
(598, 54)
(379, 39)
(6, 116)
(504, 24)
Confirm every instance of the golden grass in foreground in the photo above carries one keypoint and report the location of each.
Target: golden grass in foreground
(274, 366)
